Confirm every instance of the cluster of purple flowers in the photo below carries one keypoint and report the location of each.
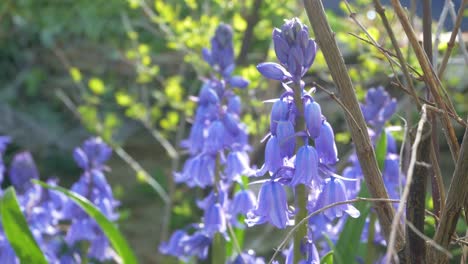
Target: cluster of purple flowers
(312, 162)
(64, 232)
(218, 147)
(378, 109)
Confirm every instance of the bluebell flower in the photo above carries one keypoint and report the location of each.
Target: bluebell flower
(244, 201)
(306, 167)
(174, 247)
(237, 164)
(207, 95)
(4, 141)
(273, 159)
(308, 250)
(238, 81)
(22, 171)
(234, 105)
(274, 71)
(272, 206)
(92, 154)
(313, 118)
(325, 145)
(294, 49)
(247, 258)
(379, 107)
(279, 113)
(214, 220)
(197, 245)
(335, 191)
(286, 138)
(231, 123)
(216, 137)
(7, 254)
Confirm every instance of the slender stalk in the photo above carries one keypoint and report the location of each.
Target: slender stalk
(431, 79)
(218, 246)
(381, 11)
(359, 134)
(419, 135)
(453, 36)
(304, 220)
(252, 21)
(415, 207)
(301, 191)
(456, 198)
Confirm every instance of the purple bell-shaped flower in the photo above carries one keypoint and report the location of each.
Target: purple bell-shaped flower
(334, 191)
(325, 144)
(306, 167)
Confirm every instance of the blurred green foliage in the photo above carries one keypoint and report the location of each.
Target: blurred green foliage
(132, 64)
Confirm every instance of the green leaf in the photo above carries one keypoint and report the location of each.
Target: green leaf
(328, 258)
(110, 230)
(17, 230)
(381, 150)
(345, 249)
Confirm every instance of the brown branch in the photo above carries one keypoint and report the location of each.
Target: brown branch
(336, 99)
(346, 93)
(432, 106)
(381, 11)
(252, 21)
(457, 195)
(415, 206)
(431, 79)
(453, 36)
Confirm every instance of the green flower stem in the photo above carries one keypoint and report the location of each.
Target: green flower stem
(301, 191)
(218, 246)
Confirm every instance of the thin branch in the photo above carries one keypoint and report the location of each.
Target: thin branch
(431, 106)
(347, 95)
(440, 26)
(431, 79)
(252, 21)
(451, 42)
(141, 172)
(381, 11)
(457, 195)
(429, 240)
(418, 76)
(391, 242)
(318, 211)
(336, 99)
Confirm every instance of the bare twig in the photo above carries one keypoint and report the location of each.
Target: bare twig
(431, 106)
(336, 99)
(451, 42)
(431, 79)
(428, 240)
(141, 172)
(440, 26)
(381, 11)
(304, 220)
(252, 21)
(360, 136)
(456, 197)
(391, 242)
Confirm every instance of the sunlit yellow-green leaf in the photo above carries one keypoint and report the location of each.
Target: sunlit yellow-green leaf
(136, 111)
(173, 89)
(123, 99)
(75, 74)
(97, 86)
(192, 4)
(238, 22)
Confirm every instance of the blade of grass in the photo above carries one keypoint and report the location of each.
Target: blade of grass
(17, 230)
(110, 230)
